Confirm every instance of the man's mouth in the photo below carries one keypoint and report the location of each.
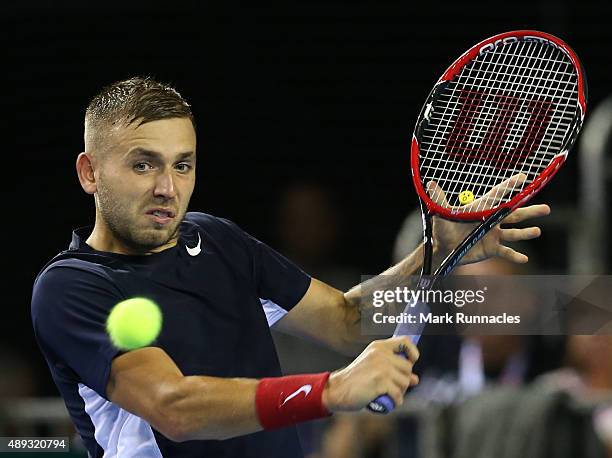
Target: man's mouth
(161, 215)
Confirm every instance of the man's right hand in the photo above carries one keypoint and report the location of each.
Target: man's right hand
(378, 370)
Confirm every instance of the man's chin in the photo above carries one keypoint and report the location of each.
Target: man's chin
(154, 237)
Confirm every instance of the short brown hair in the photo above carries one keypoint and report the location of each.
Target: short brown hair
(138, 99)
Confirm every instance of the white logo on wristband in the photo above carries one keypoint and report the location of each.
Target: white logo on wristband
(303, 389)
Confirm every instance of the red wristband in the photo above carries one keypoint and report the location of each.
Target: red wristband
(284, 401)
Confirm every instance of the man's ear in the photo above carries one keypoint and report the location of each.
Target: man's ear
(85, 171)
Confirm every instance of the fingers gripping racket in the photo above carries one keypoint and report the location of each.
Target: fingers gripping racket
(494, 130)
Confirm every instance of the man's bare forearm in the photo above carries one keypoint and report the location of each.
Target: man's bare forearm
(201, 407)
(357, 300)
(212, 408)
(147, 383)
(333, 318)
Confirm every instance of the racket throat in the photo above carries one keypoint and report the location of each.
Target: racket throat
(427, 240)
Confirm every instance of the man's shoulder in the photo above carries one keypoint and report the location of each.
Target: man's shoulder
(72, 285)
(67, 269)
(71, 264)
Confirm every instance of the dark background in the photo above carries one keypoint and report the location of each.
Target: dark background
(323, 92)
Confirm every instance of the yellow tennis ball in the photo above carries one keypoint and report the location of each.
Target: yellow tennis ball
(134, 323)
(465, 197)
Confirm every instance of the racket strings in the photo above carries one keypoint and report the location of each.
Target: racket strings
(525, 74)
(501, 121)
(490, 65)
(507, 112)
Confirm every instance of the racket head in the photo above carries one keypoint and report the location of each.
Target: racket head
(512, 104)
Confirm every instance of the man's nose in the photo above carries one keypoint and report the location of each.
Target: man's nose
(164, 186)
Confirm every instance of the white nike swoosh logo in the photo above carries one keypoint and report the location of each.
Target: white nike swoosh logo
(196, 249)
(303, 389)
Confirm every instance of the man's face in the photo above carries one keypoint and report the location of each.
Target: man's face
(145, 181)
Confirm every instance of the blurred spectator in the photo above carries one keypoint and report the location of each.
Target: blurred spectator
(365, 436)
(17, 379)
(591, 359)
(309, 227)
(500, 359)
(565, 413)
(309, 231)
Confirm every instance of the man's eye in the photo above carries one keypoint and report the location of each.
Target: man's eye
(141, 167)
(183, 167)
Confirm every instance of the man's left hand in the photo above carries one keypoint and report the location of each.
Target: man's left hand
(449, 234)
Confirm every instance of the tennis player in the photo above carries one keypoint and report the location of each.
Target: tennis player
(211, 385)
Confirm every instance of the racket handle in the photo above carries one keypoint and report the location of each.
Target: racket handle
(384, 404)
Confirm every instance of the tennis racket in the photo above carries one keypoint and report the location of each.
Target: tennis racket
(494, 130)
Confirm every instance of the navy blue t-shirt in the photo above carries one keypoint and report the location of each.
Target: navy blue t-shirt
(219, 290)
